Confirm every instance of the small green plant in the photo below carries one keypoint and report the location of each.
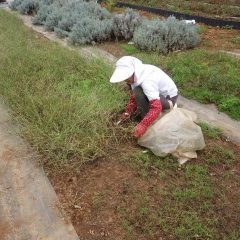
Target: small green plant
(230, 105)
(210, 132)
(129, 49)
(110, 5)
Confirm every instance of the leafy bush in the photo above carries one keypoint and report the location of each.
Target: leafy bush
(41, 16)
(125, 24)
(28, 6)
(91, 31)
(88, 21)
(25, 6)
(53, 18)
(14, 4)
(165, 36)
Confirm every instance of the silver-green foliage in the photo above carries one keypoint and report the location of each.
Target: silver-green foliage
(28, 6)
(86, 22)
(83, 22)
(166, 36)
(125, 24)
(90, 31)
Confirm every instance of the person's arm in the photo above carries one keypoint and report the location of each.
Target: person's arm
(155, 108)
(130, 108)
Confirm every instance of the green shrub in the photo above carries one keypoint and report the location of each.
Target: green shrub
(90, 31)
(166, 36)
(125, 24)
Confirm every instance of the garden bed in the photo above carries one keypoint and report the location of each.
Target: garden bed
(222, 9)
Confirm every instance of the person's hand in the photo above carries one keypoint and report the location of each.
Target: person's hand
(139, 130)
(124, 116)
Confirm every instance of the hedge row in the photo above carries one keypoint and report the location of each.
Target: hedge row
(86, 22)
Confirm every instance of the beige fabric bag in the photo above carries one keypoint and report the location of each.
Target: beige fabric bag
(174, 132)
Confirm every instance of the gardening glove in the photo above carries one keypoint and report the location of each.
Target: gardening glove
(139, 130)
(155, 108)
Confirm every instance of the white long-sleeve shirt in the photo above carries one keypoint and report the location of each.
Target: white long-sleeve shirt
(154, 82)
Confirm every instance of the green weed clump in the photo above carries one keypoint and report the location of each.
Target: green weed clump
(209, 78)
(63, 102)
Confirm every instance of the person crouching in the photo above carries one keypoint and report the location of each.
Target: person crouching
(151, 91)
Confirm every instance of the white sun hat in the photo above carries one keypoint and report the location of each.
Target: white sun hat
(124, 69)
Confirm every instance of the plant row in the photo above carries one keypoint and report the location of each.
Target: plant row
(85, 22)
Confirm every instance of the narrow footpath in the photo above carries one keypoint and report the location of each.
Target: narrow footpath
(29, 208)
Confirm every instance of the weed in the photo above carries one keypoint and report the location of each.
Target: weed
(129, 49)
(230, 105)
(210, 132)
(201, 28)
(224, 155)
(110, 5)
(55, 94)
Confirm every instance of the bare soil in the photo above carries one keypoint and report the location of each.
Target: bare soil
(93, 196)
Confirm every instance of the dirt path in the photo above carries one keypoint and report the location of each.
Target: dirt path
(206, 112)
(235, 53)
(28, 203)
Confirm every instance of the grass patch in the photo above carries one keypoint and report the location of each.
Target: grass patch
(63, 102)
(210, 132)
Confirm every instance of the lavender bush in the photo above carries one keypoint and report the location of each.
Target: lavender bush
(125, 24)
(86, 22)
(166, 36)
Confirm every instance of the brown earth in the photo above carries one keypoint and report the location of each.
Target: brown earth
(93, 196)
